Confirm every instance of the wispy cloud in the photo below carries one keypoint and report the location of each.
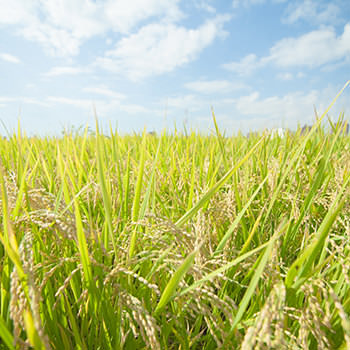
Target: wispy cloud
(312, 11)
(248, 3)
(19, 100)
(131, 108)
(278, 107)
(205, 5)
(65, 70)
(55, 41)
(5, 99)
(9, 58)
(185, 102)
(61, 27)
(314, 49)
(34, 101)
(160, 48)
(103, 107)
(75, 102)
(287, 76)
(105, 91)
(122, 16)
(245, 66)
(214, 86)
(256, 111)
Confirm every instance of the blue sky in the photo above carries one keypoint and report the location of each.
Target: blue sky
(157, 63)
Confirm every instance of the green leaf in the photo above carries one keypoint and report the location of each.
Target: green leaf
(238, 218)
(206, 197)
(175, 280)
(101, 167)
(82, 245)
(6, 335)
(224, 268)
(257, 275)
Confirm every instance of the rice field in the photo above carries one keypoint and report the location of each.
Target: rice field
(175, 241)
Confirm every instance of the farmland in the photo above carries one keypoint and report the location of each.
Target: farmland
(175, 241)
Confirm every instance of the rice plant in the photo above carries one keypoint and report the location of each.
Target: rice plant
(175, 241)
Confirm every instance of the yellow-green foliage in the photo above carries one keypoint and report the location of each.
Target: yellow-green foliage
(175, 241)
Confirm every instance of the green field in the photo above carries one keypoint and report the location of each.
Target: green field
(175, 241)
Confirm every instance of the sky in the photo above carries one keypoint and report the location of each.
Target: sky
(160, 64)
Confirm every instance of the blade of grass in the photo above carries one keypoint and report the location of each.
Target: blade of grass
(9, 239)
(175, 280)
(238, 218)
(190, 213)
(257, 275)
(317, 182)
(138, 189)
(6, 335)
(193, 172)
(295, 159)
(82, 246)
(137, 197)
(301, 265)
(32, 333)
(146, 199)
(22, 190)
(220, 139)
(252, 232)
(101, 166)
(226, 267)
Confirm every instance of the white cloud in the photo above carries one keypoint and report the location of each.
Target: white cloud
(79, 18)
(313, 49)
(62, 26)
(34, 21)
(9, 58)
(55, 41)
(214, 86)
(33, 101)
(65, 70)
(4, 99)
(185, 102)
(125, 15)
(16, 11)
(205, 5)
(75, 102)
(19, 100)
(254, 112)
(289, 106)
(285, 76)
(245, 66)
(159, 48)
(104, 108)
(133, 109)
(104, 91)
(248, 3)
(312, 11)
